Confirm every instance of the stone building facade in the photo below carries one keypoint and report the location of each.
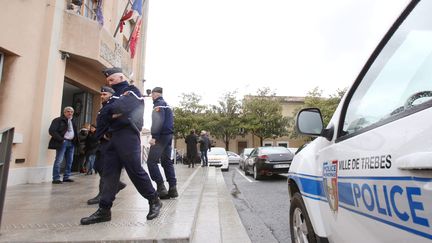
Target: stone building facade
(52, 53)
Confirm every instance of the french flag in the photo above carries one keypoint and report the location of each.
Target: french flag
(135, 11)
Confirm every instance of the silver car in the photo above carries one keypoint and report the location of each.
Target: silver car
(243, 156)
(233, 157)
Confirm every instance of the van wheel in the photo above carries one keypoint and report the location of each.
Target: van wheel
(300, 225)
(256, 174)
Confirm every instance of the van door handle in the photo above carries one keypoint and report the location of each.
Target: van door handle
(415, 161)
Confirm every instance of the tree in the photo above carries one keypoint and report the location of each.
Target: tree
(262, 115)
(315, 99)
(223, 120)
(327, 106)
(188, 115)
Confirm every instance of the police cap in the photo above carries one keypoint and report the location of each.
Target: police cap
(110, 71)
(107, 89)
(157, 90)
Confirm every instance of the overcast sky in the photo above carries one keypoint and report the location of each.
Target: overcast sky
(211, 47)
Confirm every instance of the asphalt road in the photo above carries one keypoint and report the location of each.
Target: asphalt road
(263, 205)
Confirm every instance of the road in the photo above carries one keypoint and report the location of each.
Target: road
(263, 205)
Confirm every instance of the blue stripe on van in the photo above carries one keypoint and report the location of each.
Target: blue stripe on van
(346, 197)
(345, 193)
(313, 187)
(402, 227)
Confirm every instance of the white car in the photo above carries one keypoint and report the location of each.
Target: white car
(367, 177)
(233, 158)
(218, 156)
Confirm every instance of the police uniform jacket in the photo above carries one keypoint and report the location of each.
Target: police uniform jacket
(103, 119)
(130, 104)
(57, 130)
(162, 119)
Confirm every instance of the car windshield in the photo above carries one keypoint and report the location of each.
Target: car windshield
(217, 151)
(403, 69)
(247, 151)
(274, 150)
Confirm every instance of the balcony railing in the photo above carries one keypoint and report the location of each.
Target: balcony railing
(87, 9)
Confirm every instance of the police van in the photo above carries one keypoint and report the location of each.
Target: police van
(367, 176)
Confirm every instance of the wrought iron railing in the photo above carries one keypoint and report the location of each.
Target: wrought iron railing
(84, 9)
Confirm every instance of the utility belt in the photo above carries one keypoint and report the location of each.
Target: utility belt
(106, 137)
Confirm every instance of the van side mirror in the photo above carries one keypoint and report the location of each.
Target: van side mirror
(309, 122)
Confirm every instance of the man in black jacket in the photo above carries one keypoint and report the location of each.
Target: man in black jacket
(125, 119)
(191, 141)
(64, 137)
(205, 146)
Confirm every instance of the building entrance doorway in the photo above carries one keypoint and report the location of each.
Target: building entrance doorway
(241, 146)
(82, 102)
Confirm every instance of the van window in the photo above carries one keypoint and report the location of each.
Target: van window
(400, 78)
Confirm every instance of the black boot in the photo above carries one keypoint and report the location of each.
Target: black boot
(101, 215)
(94, 200)
(121, 186)
(154, 208)
(172, 192)
(162, 191)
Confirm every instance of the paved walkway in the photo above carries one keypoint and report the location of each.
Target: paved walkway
(51, 213)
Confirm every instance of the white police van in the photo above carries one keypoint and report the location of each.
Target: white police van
(367, 177)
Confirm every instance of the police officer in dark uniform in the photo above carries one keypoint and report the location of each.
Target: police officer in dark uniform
(124, 149)
(102, 135)
(162, 134)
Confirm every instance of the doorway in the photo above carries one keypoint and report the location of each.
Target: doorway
(241, 145)
(82, 102)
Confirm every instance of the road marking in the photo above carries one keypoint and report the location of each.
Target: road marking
(244, 176)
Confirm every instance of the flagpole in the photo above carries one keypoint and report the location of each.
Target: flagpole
(124, 12)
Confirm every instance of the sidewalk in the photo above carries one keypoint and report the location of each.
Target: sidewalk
(51, 213)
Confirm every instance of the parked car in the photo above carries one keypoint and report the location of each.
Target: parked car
(218, 156)
(367, 176)
(266, 161)
(293, 150)
(243, 156)
(233, 157)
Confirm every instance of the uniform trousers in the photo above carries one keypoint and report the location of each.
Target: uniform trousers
(124, 150)
(100, 161)
(162, 151)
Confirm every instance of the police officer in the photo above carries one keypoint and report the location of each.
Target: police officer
(162, 134)
(124, 149)
(102, 135)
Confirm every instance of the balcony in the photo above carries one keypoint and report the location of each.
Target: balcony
(89, 43)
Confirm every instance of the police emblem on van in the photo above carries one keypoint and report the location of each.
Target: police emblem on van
(330, 183)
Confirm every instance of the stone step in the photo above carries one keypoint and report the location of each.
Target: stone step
(178, 223)
(217, 219)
